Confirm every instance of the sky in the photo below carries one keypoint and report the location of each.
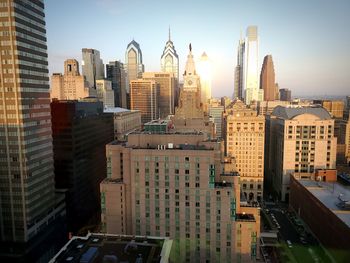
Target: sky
(308, 40)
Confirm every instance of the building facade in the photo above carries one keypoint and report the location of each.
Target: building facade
(92, 66)
(144, 97)
(105, 92)
(176, 185)
(244, 133)
(169, 61)
(29, 207)
(238, 77)
(300, 140)
(116, 74)
(267, 80)
(71, 85)
(334, 107)
(133, 62)
(80, 131)
(347, 143)
(125, 122)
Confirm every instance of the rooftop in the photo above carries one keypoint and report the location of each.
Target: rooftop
(114, 248)
(290, 112)
(117, 110)
(331, 195)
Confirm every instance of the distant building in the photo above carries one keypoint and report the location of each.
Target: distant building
(238, 74)
(169, 61)
(80, 131)
(347, 143)
(299, 140)
(92, 66)
(329, 201)
(244, 132)
(133, 62)
(267, 80)
(105, 92)
(32, 213)
(71, 85)
(215, 112)
(108, 248)
(167, 84)
(144, 97)
(205, 72)
(250, 67)
(125, 121)
(116, 74)
(335, 107)
(225, 101)
(285, 95)
(267, 107)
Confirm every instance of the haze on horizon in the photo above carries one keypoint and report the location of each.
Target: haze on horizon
(309, 40)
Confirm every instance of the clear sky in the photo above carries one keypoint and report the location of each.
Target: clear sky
(308, 39)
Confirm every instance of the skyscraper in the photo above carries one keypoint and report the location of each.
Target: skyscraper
(71, 85)
(285, 94)
(28, 207)
(116, 73)
(166, 99)
(133, 62)
(204, 71)
(92, 66)
(105, 92)
(169, 61)
(144, 97)
(238, 84)
(267, 80)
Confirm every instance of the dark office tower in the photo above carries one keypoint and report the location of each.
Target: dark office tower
(285, 95)
(28, 205)
(92, 66)
(267, 79)
(116, 74)
(80, 131)
(238, 91)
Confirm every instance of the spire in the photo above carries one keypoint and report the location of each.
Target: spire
(190, 66)
(169, 34)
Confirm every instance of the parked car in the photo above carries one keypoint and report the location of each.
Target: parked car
(289, 244)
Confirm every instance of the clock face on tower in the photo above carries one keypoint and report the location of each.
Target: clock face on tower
(189, 83)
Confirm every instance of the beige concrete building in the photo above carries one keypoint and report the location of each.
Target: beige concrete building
(299, 140)
(71, 85)
(244, 133)
(125, 121)
(144, 97)
(167, 88)
(266, 107)
(347, 143)
(105, 92)
(335, 107)
(178, 185)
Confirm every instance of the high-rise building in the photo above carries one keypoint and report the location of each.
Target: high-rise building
(177, 185)
(133, 63)
(238, 78)
(80, 131)
(215, 112)
(347, 143)
(299, 140)
(169, 61)
(71, 85)
(92, 66)
(285, 94)
(267, 80)
(105, 92)
(29, 208)
(251, 87)
(144, 97)
(244, 132)
(116, 74)
(167, 87)
(205, 73)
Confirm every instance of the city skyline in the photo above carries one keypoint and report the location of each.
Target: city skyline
(305, 33)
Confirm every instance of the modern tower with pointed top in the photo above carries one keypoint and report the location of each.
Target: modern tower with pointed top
(169, 61)
(133, 62)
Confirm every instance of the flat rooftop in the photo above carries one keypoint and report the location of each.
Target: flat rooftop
(114, 248)
(330, 195)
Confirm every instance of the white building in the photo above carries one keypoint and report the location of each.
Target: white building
(105, 92)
